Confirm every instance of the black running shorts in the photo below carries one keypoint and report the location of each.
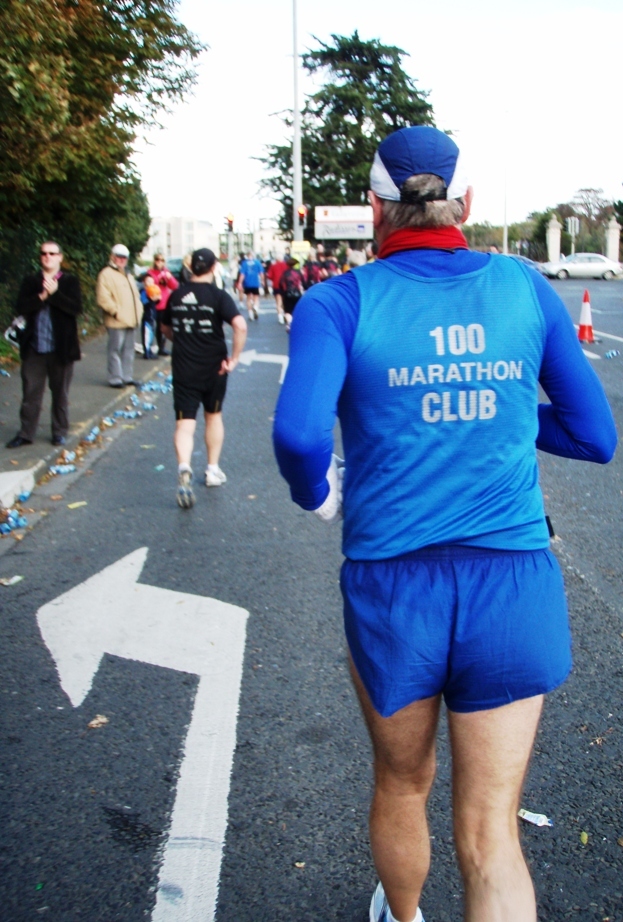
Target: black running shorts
(186, 399)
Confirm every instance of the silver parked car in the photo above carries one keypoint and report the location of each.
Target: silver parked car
(583, 266)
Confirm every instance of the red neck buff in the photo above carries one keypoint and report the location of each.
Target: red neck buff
(423, 238)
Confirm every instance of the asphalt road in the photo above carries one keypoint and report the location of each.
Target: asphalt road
(84, 813)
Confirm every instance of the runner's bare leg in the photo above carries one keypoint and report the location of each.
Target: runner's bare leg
(214, 436)
(490, 753)
(404, 770)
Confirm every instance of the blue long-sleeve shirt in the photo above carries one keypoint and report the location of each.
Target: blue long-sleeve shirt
(431, 360)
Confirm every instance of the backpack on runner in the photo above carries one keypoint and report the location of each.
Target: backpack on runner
(311, 273)
(291, 283)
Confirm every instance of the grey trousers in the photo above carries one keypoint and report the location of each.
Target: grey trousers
(120, 356)
(36, 368)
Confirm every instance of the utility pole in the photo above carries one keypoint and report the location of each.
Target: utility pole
(297, 171)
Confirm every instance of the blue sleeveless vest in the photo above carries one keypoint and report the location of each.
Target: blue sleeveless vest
(439, 412)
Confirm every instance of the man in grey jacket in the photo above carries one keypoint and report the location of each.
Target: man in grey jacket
(117, 295)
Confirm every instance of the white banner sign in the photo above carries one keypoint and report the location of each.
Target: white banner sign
(343, 230)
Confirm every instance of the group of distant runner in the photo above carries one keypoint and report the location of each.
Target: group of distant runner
(289, 280)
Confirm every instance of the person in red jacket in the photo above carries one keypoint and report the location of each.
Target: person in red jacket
(274, 274)
(167, 283)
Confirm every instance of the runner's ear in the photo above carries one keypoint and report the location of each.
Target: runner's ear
(468, 199)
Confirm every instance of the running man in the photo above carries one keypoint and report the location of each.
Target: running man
(431, 356)
(193, 318)
(251, 277)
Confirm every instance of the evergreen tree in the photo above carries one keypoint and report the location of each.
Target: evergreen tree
(365, 96)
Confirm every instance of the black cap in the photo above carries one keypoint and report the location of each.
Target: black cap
(202, 261)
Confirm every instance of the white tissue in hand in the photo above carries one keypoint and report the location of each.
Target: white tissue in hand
(331, 509)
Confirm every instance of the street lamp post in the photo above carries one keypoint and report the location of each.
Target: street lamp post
(297, 172)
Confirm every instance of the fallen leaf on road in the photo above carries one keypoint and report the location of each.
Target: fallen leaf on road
(57, 496)
(129, 426)
(18, 537)
(13, 461)
(252, 496)
(148, 446)
(98, 721)
(82, 502)
(299, 864)
(584, 837)
(620, 841)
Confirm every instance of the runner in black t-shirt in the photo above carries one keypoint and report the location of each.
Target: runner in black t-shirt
(193, 319)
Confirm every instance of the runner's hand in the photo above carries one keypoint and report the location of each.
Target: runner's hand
(227, 366)
(331, 509)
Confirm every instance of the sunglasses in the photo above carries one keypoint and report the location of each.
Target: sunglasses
(50, 253)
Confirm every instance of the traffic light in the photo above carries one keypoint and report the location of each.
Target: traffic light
(302, 213)
(230, 222)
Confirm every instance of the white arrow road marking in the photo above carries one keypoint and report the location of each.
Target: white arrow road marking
(112, 613)
(252, 356)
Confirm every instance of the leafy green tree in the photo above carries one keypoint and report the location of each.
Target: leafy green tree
(78, 80)
(365, 96)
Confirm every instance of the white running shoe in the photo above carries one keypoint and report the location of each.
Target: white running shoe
(215, 478)
(379, 907)
(185, 495)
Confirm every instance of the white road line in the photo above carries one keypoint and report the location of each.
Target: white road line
(112, 613)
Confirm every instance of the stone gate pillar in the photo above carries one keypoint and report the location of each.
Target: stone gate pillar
(613, 236)
(554, 229)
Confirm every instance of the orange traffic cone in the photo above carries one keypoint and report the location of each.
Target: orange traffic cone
(585, 333)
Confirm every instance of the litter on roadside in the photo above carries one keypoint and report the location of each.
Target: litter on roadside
(98, 721)
(127, 414)
(537, 819)
(10, 520)
(62, 469)
(4, 373)
(93, 434)
(24, 496)
(10, 580)
(82, 502)
(159, 467)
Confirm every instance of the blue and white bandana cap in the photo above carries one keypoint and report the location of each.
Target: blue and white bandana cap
(412, 151)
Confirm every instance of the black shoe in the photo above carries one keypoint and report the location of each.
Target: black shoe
(117, 385)
(59, 440)
(131, 384)
(163, 352)
(18, 441)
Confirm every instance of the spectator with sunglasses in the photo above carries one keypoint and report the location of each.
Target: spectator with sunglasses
(50, 301)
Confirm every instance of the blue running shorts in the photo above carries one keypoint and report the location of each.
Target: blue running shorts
(482, 627)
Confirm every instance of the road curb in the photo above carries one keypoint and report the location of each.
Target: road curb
(14, 483)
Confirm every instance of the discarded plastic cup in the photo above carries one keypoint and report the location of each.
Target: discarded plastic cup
(612, 353)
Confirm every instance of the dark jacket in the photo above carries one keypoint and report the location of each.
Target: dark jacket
(65, 305)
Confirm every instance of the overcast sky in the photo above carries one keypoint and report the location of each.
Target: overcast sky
(530, 90)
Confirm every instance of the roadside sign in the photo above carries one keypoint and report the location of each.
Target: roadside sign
(300, 249)
(573, 226)
(343, 222)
